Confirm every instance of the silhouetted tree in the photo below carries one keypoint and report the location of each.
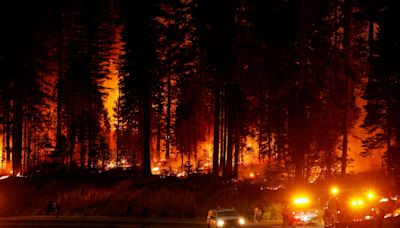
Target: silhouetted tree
(139, 69)
(382, 91)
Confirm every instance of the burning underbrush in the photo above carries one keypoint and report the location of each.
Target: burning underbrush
(130, 196)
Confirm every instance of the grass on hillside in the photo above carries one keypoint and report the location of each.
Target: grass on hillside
(133, 197)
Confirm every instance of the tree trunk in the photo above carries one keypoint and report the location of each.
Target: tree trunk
(146, 128)
(260, 147)
(269, 130)
(195, 145)
(388, 142)
(29, 150)
(71, 133)
(189, 132)
(60, 76)
(228, 168)
(158, 143)
(3, 149)
(71, 137)
(261, 120)
(117, 131)
(35, 147)
(299, 104)
(216, 132)
(168, 136)
(83, 145)
(182, 151)
(90, 133)
(8, 131)
(237, 147)
(347, 86)
(18, 115)
(222, 133)
(25, 142)
(345, 129)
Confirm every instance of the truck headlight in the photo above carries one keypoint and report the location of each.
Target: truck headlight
(220, 223)
(241, 221)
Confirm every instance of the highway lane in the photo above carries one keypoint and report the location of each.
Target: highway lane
(106, 222)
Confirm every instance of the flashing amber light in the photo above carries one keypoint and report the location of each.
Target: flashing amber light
(357, 203)
(301, 201)
(251, 175)
(371, 195)
(334, 190)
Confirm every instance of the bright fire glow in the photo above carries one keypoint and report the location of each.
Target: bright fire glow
(111, 165)
(156, 170)
(112, 83)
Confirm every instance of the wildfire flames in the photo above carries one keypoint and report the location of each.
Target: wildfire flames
(248, 158)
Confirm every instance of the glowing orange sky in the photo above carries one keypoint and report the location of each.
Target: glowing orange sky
(361, 164)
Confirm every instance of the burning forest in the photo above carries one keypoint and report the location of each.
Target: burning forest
(276, 90)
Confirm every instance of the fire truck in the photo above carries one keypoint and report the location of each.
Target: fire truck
(352, 208)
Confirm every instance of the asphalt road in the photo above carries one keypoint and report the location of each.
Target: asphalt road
(103, 222)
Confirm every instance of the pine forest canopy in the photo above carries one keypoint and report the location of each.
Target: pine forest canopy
(298, 89)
